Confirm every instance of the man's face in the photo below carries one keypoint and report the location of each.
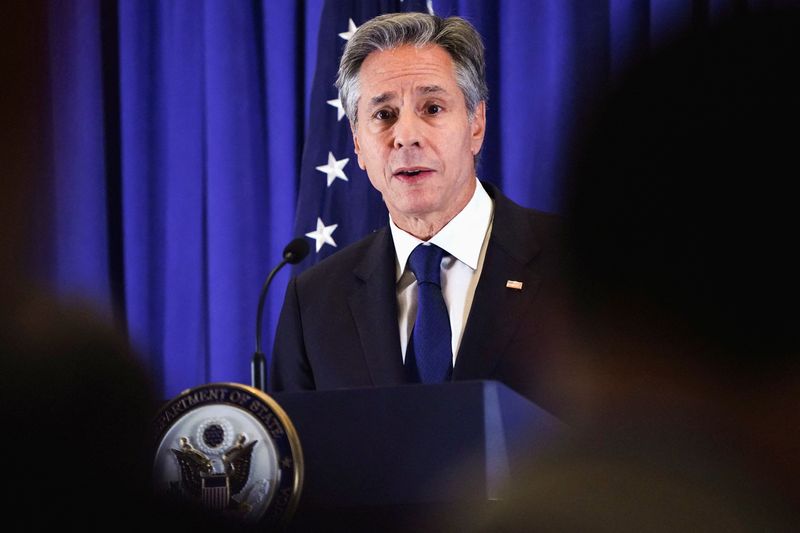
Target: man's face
(413, 135)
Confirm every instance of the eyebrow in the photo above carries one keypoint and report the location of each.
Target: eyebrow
(390, 95)
(382, 98)
(431, 89)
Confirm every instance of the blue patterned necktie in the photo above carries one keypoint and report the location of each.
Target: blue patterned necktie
(429, 356)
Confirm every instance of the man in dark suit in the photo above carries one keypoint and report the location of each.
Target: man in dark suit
(413, 87)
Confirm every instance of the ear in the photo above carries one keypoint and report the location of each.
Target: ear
(478, 128)
(357, 146)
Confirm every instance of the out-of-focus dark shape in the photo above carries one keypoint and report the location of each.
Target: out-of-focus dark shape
(76, 409)
(679, 358)
(22, 110)
(76, 406)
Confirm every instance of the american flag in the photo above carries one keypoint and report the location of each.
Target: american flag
(336, 204)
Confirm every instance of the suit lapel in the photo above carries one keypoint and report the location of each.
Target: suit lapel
(373, 304)
(496, 310)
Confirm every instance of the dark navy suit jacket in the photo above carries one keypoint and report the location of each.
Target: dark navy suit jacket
(338, 327)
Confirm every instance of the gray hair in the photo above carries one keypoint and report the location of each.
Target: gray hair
(454, 34)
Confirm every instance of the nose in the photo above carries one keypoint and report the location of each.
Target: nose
(407, 130)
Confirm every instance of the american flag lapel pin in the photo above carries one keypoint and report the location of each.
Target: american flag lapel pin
(511, 284)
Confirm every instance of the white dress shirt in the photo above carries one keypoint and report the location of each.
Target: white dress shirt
(465, 239)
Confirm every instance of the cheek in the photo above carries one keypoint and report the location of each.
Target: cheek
(378, 182)
(373, 155)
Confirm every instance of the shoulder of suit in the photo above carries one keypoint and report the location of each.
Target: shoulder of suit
(542, 222)
(343, 260)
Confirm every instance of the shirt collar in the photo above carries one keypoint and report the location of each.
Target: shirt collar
(462, 237)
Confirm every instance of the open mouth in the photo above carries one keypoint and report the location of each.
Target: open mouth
(411, 172)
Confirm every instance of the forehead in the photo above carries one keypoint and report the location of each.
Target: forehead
(407, 67)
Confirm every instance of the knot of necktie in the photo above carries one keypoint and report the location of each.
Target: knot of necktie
(425, 262)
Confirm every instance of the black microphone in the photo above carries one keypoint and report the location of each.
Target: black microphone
(294, 252)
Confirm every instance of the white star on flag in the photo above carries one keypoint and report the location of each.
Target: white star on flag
(337, 103)
(334, 168)
(323, 234)
(351, 29)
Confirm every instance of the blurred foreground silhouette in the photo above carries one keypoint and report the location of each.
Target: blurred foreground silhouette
(679, 332)
(76, 407)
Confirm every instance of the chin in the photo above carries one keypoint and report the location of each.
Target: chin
(417, 208)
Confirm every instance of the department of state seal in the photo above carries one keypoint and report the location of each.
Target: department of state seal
(231, 449)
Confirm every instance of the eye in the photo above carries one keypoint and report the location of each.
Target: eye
(383, 114)
(433, 109)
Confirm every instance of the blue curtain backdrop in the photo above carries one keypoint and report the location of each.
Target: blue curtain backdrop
(177, 134)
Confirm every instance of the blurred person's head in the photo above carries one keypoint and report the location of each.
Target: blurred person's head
(77, 411)
(680, 333)
(682, 275)
(76, 408)
(682, 210)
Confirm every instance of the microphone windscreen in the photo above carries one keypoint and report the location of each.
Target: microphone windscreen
(296, 251)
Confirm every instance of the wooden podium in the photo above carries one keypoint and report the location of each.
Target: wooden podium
(405, 458)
